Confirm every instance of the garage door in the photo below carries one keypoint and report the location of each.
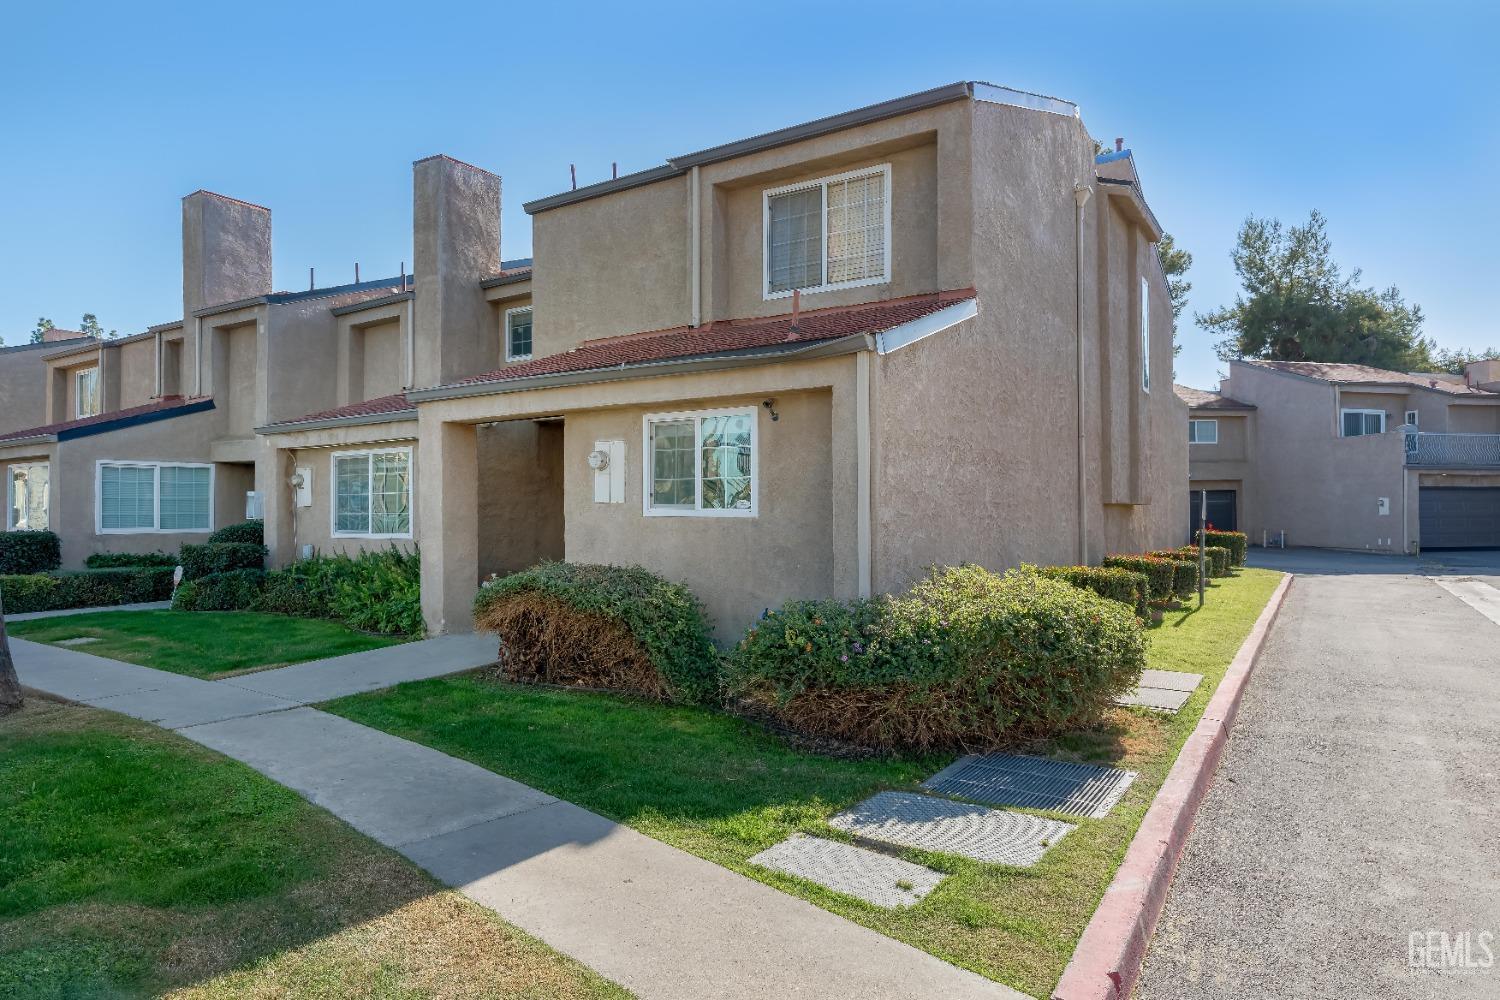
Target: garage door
(1458, 518)
(1221, 510)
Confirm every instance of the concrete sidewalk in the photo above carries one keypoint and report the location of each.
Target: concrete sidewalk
(373, 669)
(33, 615)
(659, 921)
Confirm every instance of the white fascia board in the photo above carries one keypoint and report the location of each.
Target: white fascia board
(898, 337)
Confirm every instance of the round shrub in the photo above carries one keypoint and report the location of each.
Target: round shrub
(619, 627)
(243, 533)
(235, 590)
(23, 552)
(1159, 573)
(966, 659)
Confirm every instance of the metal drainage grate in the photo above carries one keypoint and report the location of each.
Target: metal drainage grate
(921, 821)
(1005, 779)
(854, 871)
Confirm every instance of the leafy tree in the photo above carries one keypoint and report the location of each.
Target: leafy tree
(91, 328)
(42, 326)
(1455, 361)
(1175, 261)
(1297, 306)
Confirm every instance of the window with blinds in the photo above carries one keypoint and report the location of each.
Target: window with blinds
(830, 233)
(143, 496)
(372, 493)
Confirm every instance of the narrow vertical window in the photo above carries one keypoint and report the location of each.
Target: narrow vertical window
(86, 388)
(518, 334)
(1146, 333)
(27, 488)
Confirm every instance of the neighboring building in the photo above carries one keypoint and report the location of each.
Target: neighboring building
(23, 380)
(807, 364)
(1351, 457)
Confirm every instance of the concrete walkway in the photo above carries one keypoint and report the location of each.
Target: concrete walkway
(659, 921)
(32, 615)
(1355, 803)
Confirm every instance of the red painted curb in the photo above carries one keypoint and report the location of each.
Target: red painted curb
(1108, 958)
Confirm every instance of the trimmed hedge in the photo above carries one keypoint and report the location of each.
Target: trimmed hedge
(221, 557)
(116, 560)
(1160, 574)
(1237, 542)
(620, 627)
(23, 552)
(243, 533)
(1123, 585)
(965, 660)
(1216, 556)
(87, 588)
(233, 590)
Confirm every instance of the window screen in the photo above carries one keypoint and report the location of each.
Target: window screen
(794, 241)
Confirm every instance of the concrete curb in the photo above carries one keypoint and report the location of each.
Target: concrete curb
(1108, 958)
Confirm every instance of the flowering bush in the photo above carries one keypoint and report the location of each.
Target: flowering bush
(965, 659)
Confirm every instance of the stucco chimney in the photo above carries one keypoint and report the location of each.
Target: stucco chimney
(1483, 375)
(226, 251)
(456, 237)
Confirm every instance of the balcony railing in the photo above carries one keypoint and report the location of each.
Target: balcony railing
(1469, 451)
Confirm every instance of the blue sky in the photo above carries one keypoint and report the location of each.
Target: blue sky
(1383, 117)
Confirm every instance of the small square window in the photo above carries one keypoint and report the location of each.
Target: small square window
(372, 493)
(1203, 432)
(1358, 423)
(701, 463)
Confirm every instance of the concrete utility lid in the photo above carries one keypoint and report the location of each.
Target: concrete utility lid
(1006, 779)
(930, 824)
(78, 640)
(1163, 690)
(875, 878)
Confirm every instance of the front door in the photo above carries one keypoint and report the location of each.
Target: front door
(1222, 506)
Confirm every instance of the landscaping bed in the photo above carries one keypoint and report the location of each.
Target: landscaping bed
(209, 645)
(725, 788)
(136, 862)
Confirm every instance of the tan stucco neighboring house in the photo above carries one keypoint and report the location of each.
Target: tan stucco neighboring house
(1352, 457)
(806, 364)
(23, 379)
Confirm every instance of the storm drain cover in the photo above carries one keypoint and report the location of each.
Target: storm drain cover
(875, 878)
(1163, 690)
(930, 824)
(79, 640)
(1005, 779)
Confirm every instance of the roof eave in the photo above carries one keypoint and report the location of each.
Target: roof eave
(772, 354)
(32, 439)
(352, 420)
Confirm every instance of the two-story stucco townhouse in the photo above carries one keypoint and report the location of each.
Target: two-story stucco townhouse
(806, 364)
(1348, 456)
(147, 441)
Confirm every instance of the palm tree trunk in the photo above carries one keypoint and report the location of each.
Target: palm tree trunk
(10, 684)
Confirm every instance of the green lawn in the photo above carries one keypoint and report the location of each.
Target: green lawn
(205, 644)
(133, 862)
(724, 789)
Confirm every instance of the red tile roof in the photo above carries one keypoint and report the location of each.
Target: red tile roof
(162, 405)
(394, 403)
(1202, 399)
(729, 335)
(1329, 372)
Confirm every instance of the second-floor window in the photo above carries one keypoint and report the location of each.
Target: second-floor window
(86, 386)
(1357, 423)
(830, 233)
(1203, 432)
(518, 334)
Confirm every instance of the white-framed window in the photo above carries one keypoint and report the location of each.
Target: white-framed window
(1145, 335)
(86, 392)
(1411, 418)
(833, 232)
(1357, 423)
(371, 493)
(700, 463)
(518, 333)
(138, 497)
(1203, 432)
(27, 496)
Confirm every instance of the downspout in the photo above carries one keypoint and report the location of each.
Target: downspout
(411, 341)
(198, 357)
(695, 251)
(1081, 195)
(863, 473)
(158, 365)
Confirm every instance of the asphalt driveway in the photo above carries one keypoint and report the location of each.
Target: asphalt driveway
(1358, 801)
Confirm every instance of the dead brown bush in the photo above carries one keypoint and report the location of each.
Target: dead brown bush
(544, 641)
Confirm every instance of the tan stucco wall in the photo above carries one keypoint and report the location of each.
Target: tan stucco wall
(383, 360)
(135, 365)
(237, 393)
(520, 495)
(23, 390)
(1474, 419)
(736, 565)
(1227, 465)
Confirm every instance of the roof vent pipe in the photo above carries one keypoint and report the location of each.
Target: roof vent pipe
(1120, 144)
(356, 272)
(573, 173)
(310, 284)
